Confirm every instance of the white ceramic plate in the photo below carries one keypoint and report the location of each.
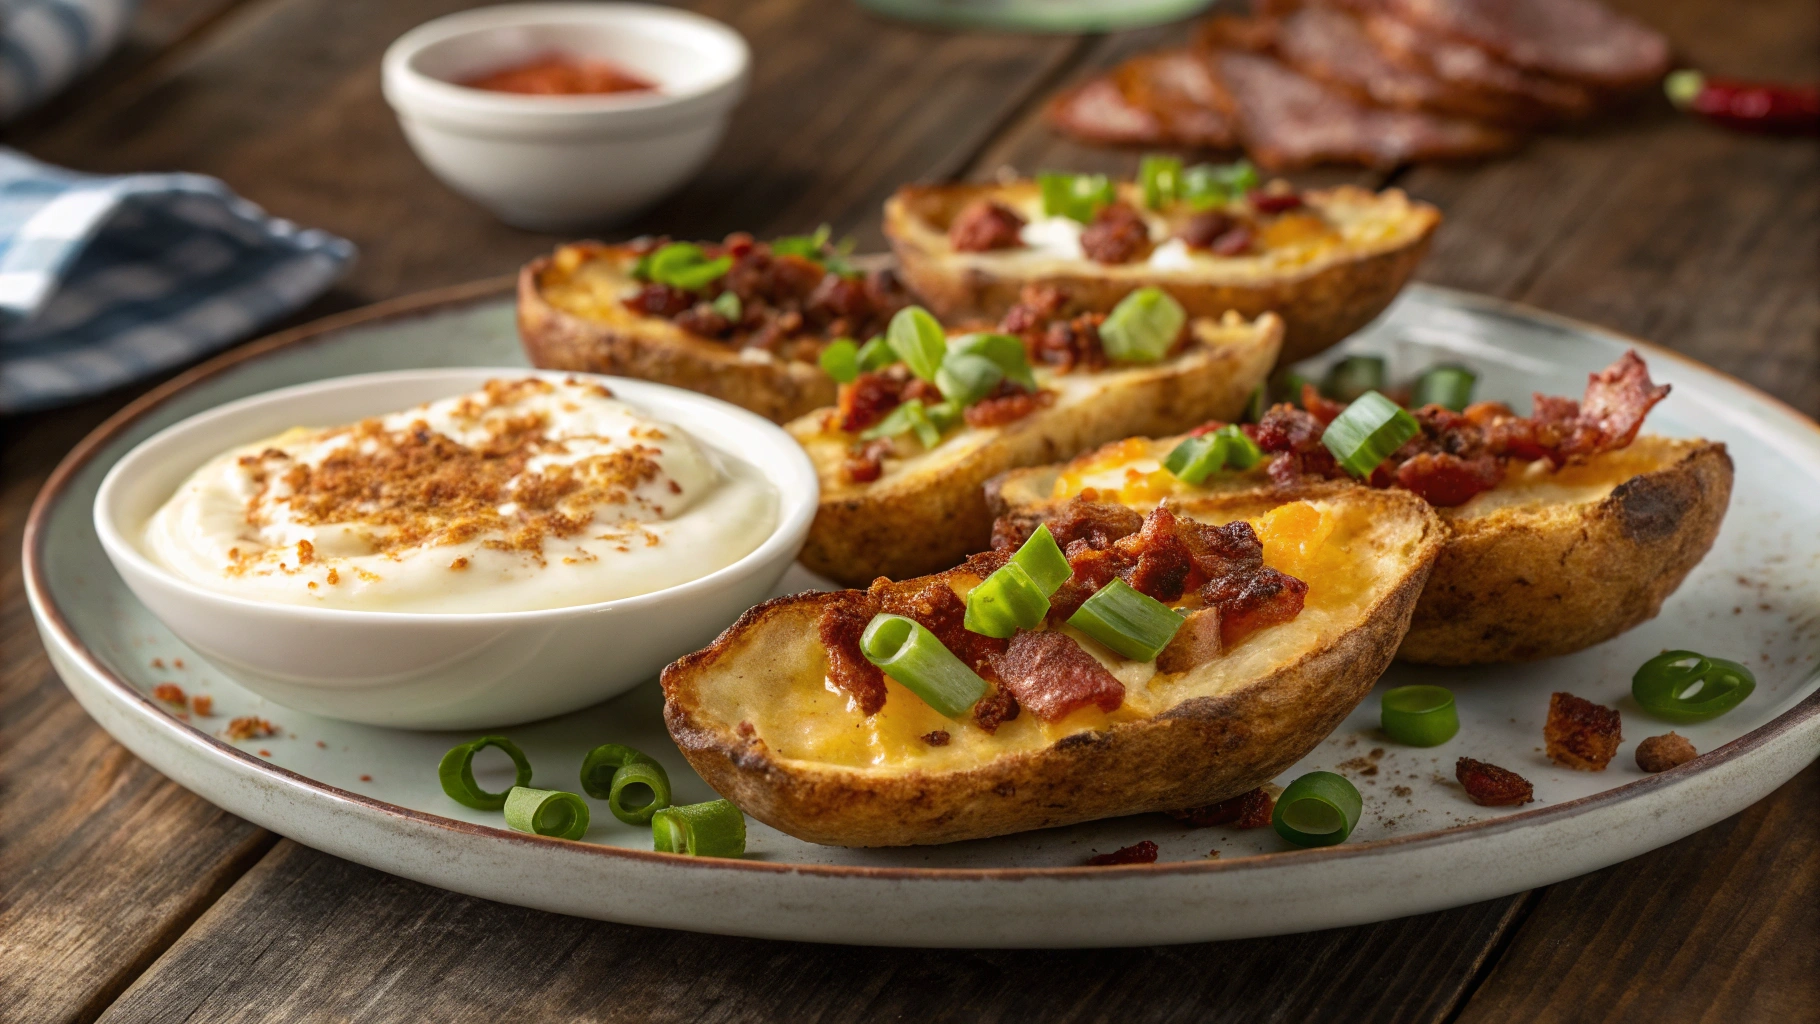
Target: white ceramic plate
(370, 794)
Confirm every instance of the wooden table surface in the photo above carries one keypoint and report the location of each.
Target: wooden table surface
(125, 898)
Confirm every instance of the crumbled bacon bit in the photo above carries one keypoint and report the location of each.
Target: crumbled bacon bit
(265, 753)
(1011, 405)
(1050, 674)
(334, 577)
(203, 704)
(1138, 853)
(366, 778)
(1580, 734)
(170, 693)
(249, 728)
(1660, 753)
(1490, 786)
(459, 564)
(176, 662)
(746, 729)
(938, 738)
(1117, 235)
(867, 462)
(1247, 810)
(985, 225)
(306, 552)
(158, 663)
(994, 710)
(1217, 232)
(843, 620)
(1275, 202)
(868, 400)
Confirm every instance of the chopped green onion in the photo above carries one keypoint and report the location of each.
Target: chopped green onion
(918, 340)
(1161, 180)
(1367, 432)
(1449, 387)
(1683, 686)
(1005, 602)
(684, 265)
(910, 417)
(840, 360)
(1257, 405)
(457, 773)
(1286, 385)
(1242, 452)
(807, 246)
(1042, 559)
(727, 304)
(547, 812)
(875, 354)
(1196, 458)
(1143, 326)
(714, 829)
(1005, 350)
(1352, 376)
(598, 767)
(910, 654)
(1318, 809)
(1075, 196)
(1208, 185)
(1419, 716)
(633, 784)
(967, 378)
(1133, 624)
(943, 415)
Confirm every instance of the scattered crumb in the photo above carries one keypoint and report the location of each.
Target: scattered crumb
(747, 729)
(321, 744)
(1660, 753)
(1376, 752)
(158, 663)
(170, 693)
(938, 738)
(1401, 790)
(1138, 853)
(1213, 854)
(1580, 734)
(1490, 786)
(366, 778)
(249, 728)
(176, 662)
(265, 753)
(203, 704)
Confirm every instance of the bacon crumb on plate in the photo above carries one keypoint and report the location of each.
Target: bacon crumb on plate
(202, 704)
(170, 693)
(1580, 734)
(1138, 853)
(1490, 786)
(1660, 753)
(249, 728)
(1247, 810)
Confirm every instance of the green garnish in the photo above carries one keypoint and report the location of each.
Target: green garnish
(1196, 458)
(907, 652)
(1143, 326)
(1684, 686)
(1367, 432)
(547, 812)
(714, 829)
(1242, 452)
(634, 785)
(965, 378)
(1287, 384)
(1161, 179)
(1005, 602)
(684, 265)
(1318, 809)
(1257, 405)
(1208, 185)
(1042, 558)
(943, 415)
(727, 304)
(1003, 349)
(1419, 716)
(918, 339)
(875, 354)
(1352, 376)
(1133, 624)
(910, 417)
(457, 773)
(1449, 387)
(809, 247)
(1075, 196)
(840, 360)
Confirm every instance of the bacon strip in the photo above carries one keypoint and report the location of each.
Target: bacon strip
(1050, 674)
(1580, 40)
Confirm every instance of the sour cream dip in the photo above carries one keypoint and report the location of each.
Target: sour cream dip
(526, 494)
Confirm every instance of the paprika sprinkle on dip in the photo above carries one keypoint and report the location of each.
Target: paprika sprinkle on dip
(559, 74)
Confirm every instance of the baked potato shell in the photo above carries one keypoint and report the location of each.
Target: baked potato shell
(1548, 563)
(1322, 292)
(1219, 730)
(570, 318)
(928, 513)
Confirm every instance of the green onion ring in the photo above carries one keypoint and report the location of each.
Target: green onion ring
(1419, 716)
(1134, 624)
(1042, 559)
(457, 773)
(598, 768)
(907, 652)
(1318, 809)
(1365, 434)
(547, 812)
(1352, 376)
(1449, 387)
(1685, 686)
(1143, 326)
(640, 789)
(714, 829)
(1004, 602)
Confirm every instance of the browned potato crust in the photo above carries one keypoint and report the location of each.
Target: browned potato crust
(1198, 751)
(1320, 302)
(614, 340)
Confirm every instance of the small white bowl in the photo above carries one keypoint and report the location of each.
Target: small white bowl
(443, 671)
(562, 163)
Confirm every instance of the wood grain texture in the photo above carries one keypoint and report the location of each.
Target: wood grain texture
(307, 936)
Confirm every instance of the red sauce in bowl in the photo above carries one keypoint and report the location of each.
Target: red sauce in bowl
(559, 74)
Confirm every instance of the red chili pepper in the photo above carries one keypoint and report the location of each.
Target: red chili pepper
(1747, 106)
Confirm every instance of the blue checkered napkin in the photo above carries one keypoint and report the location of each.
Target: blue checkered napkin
(46, 43)
(104, 280)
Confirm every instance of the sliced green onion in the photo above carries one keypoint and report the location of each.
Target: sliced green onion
(918, 340)
(714, 829)
(1005, 602)
(727, 304)
(598, 767)
(547, 812)
(1196, 458)
(1242, 452)
(1161, 180)
(1286, 385)
(1208, 185)
(457, 773)
(1683, 686)
(1352, 376)
(910, 417)
(1419, 716)
(684, 265)
(1318, 809)
(967, 378)
(1449, 387)
(910, 654)
(875, 354)
(1133, 624)
(1367, 432)
(807, 246)
(1257, 405)
(633, 784)
(1003, 349)
(1043, 561)
(840, 360)
(1075, 196)
(1143, 326)
(943, 415)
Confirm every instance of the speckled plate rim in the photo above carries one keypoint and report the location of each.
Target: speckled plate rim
(1793, 737)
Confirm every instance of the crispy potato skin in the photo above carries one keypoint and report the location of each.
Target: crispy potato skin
(1201, 751)
(1318, 307)
(628, 345)
(1521, 584)
(917, 523)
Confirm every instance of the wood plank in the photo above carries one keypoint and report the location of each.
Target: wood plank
(283, 103)
(305, 935)
(1718, 927)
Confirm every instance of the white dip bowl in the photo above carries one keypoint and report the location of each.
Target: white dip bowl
(444, 671)
(562, 163)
